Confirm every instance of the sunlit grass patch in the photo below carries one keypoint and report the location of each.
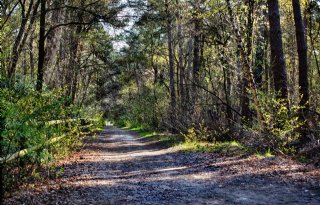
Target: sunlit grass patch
(148, 134)
(220, 147)
(267, 154)
(161, 137)
(168, 139)
(134, 128)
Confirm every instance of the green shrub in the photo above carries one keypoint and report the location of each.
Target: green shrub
(281, 125)
(198, 134)
(25, 115)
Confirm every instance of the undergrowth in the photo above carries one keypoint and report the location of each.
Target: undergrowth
(34, 122)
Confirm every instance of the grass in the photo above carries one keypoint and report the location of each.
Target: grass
(163, 138)
(267, 154)
(219, 147)
(179, 142)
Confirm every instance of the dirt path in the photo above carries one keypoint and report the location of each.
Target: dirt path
(119, 168)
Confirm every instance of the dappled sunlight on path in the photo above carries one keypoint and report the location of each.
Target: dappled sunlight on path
(118, 168)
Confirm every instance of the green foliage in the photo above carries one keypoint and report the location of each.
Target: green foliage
(145, 107)
(281, 125)
(25, 112)
(27, 115)
(198, 134)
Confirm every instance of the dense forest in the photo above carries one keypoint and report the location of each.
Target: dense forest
(208, 70)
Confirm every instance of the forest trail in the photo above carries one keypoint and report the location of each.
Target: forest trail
(119, 167)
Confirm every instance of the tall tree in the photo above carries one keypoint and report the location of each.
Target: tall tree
(196, 53)
(25, 14)
(181, 60)
(278, 64)
(41, 54)
(247, 67)
(245, 100)
(171, 65)
(303, 62)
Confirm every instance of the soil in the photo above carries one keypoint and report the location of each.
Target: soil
(119, 167)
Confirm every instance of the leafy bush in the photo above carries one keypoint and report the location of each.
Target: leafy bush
(32, 121)
(281, 125)
(199, 134)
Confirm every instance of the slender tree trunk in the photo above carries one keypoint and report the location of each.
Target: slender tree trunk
(196, 62)
(2, 188)
(51, 39)
(30, 27)
(181, 66)
(226, 87)
(261, 53)
(189, 67)
(15, 54)
(41, 55)
(75, 78)
(31, 57)
(247, 68)
(171, 68)
(312, 39)
(86, 87)
(25, 69)
(303, 65)
(266, 67)
(278, 65)
(245, 100)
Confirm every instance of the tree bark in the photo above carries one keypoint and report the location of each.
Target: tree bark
(75, 77)
(260, 56)
(196, 57)
(31, 57)
(278, 65)
(188, 75)
(41, 55)
(51, 38)
(247, 68)
(1, 164)
(303, 64)
(181, 66)
(15, 54)
(226, 80)
(245, 100)
(171, 67)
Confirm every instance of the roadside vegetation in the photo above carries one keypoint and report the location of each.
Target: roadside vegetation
(225, 76)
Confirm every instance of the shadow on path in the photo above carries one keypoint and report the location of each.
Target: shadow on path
(116, 168)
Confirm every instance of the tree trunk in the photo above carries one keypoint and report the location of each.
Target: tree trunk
(31, 57)
(189, 67)
(226, 80)
(15, 54)
(303, 65)
(51, 39)
(41, 54)
(245, 100)
(1, 164)
(171, 68)
(75, 78)
(181, 66)
(278, 65)
(260, 55)
(196, 62)
(247, 68)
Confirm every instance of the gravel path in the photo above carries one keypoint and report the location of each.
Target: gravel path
(119, 168)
